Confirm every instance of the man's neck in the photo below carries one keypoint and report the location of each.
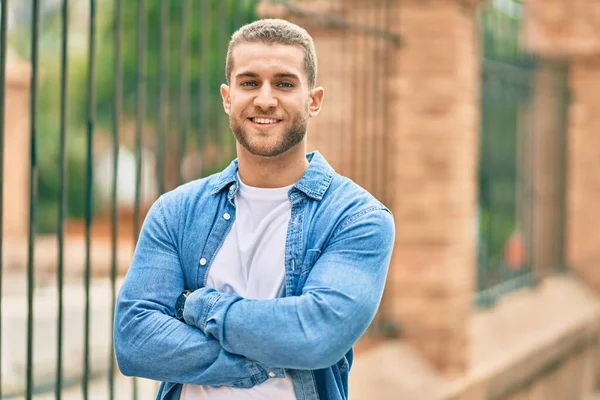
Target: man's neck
(272, 172)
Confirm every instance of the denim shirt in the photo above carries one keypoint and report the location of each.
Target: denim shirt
(338, 249)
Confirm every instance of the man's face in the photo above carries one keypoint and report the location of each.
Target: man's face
(269, 101)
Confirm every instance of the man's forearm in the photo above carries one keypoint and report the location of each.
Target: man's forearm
(149, 341)
(314, 330)
(293, 332)
(156, 346)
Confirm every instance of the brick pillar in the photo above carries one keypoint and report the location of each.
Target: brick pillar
(432, 117)
(583, 224)
(547, 151)
(16, 150)
(434, 111)
(349, 129)
(570, 29)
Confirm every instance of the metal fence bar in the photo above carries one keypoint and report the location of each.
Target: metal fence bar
(384, 328)
(163, 78)
(204, 82)
(386, 100)
(117, 107)
(483, 299)
(139, 123)
(140, 107)
(3, 28)
(221, 33)
(373, 67)
(342, 148)
(331, 140)
(352, 163)
(33, 190)
(89, 193)
(250, 11)
(360, 156)
(184, 89)
(62, 196)
(238, 18)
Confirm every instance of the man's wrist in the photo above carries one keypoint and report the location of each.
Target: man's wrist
(199, 305)
(180, 304)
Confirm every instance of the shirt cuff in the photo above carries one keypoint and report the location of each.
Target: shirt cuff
(198, 306)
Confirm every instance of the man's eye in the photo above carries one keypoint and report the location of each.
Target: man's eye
(286, 85)
(249, 83)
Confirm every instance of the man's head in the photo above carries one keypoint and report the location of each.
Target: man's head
(270, 92)
(275, 31)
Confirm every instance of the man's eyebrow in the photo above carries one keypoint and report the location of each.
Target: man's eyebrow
(248, 74)
(279, 75)
(287, 75)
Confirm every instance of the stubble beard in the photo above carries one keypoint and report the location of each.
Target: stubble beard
(286, 140)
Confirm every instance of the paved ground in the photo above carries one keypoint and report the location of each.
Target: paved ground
(375, 374)
(415, 383)
(98, 390)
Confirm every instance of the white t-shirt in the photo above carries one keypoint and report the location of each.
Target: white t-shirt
(251, 263)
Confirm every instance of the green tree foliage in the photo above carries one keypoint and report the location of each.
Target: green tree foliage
(210, 25)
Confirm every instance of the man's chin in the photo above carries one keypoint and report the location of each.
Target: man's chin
(266, 144)
(264, 152)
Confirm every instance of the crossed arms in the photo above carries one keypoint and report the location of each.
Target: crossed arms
(227, 339)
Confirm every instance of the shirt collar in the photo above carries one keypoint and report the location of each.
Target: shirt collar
(314, 183)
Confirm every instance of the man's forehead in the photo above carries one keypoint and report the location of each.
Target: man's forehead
(267, 56)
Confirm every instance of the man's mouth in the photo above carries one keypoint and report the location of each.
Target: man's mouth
(264, 121)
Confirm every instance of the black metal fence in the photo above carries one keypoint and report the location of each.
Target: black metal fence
(509, 177)
(122, 105)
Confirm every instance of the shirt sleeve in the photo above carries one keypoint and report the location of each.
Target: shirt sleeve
(317, 328)
(149, 341)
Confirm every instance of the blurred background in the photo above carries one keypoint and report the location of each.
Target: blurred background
(474, 121)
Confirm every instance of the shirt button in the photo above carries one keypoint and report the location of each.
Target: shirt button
(232, 188)
(226, 216)
(272, 374)
(203, 261)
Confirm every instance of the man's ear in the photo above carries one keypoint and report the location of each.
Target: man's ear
(226, 98)
(315, 101)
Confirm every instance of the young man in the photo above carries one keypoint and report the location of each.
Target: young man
(256, 282)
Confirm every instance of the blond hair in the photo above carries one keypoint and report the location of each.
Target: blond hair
(275, 31)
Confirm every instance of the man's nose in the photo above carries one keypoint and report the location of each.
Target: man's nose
(265, 99)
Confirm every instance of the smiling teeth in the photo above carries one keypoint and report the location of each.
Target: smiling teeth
(264, 120)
